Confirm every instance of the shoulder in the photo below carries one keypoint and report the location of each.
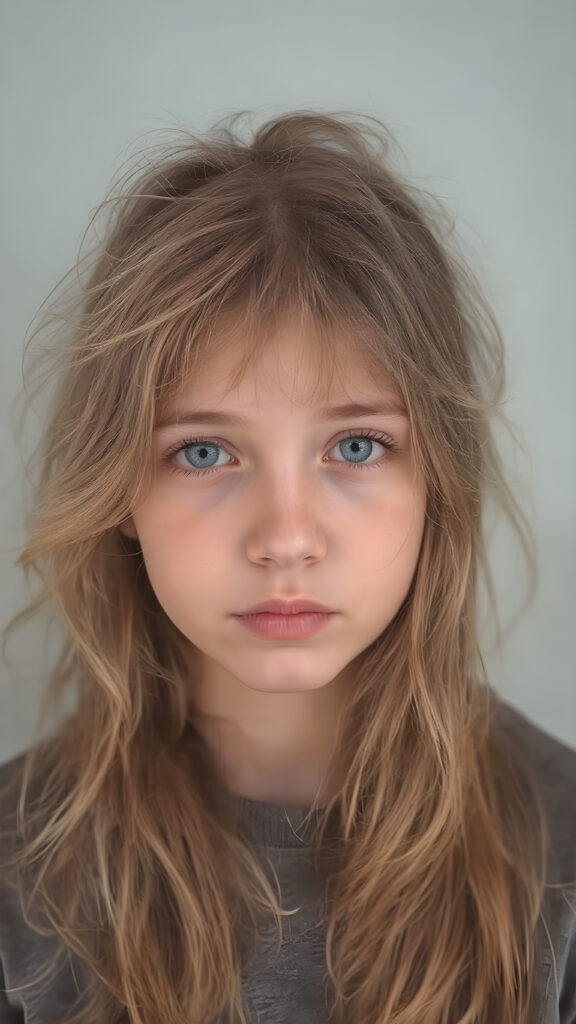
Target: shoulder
(11, 773)
(11, 812)
(555, 757)
(24, 949)
(553, 767)
(11, 777)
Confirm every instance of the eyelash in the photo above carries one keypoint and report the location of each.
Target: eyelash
(370, 435)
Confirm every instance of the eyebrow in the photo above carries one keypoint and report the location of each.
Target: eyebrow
(386, 407)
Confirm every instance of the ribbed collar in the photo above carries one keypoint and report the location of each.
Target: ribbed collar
(275, 826)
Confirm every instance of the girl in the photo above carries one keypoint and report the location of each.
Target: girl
(259, 518)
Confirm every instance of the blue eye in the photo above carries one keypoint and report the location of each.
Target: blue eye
(202, 454)
(360, 447)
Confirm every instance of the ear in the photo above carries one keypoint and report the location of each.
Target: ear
(128, 529)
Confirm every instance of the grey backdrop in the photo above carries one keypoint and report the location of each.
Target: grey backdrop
(480, 97)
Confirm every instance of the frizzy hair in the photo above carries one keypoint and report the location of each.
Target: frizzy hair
(435, 842)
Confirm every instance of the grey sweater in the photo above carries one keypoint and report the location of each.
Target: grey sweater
(290, 987)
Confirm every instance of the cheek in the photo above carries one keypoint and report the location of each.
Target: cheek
(168, 523)
(386, 564)
(392, 533)
(177, 549)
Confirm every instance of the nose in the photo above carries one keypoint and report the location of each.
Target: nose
(286, 529)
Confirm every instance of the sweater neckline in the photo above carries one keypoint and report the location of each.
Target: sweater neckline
(276, 826)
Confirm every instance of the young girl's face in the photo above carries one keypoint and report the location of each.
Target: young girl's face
(286, 504)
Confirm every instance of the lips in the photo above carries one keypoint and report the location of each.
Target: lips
(280, 606)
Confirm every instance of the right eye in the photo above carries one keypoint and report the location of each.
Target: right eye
(205, 457)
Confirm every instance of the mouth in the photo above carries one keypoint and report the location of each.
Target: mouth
(280, 626)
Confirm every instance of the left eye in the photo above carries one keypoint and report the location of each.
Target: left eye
(205, 459)
(358, 447)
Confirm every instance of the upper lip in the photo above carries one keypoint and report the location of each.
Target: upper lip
(280, 606)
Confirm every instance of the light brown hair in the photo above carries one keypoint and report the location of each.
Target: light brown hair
(435, 861)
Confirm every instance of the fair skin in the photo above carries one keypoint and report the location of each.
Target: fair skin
(285, 513)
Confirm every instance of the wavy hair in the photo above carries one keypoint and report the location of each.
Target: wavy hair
(433, 846)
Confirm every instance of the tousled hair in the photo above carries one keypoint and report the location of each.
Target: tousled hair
(434, 875)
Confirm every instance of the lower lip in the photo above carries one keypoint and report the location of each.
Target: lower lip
(282, 627)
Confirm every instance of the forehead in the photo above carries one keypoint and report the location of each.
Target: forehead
(296, 364)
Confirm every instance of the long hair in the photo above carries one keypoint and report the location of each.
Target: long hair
(434, 844)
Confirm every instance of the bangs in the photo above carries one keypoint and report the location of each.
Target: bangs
(243, 329)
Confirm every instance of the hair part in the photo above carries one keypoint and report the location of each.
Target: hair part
(435, 875)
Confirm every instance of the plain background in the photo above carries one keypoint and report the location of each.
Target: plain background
(480, 97)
